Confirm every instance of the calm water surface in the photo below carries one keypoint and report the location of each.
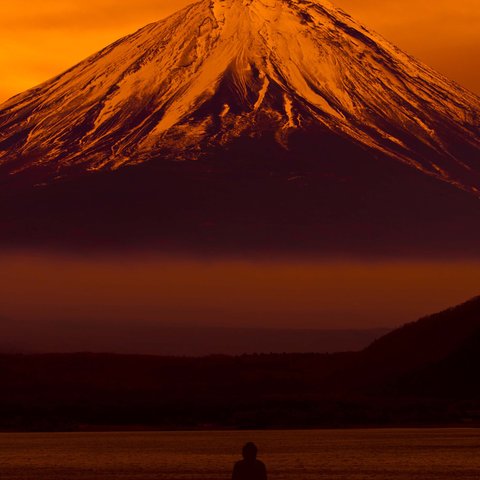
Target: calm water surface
(411, 454)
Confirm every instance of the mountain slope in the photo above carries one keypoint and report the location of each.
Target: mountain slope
(255, 198)
(453, 377)
(251, 66)
(434, 343)
(278, 126)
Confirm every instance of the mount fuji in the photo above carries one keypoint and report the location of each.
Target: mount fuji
(251, 124)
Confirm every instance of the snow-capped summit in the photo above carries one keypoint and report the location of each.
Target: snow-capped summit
(222, 70)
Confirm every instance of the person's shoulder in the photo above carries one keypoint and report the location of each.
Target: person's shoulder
(261, 470)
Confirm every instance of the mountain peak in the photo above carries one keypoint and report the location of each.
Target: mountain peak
(251, 68)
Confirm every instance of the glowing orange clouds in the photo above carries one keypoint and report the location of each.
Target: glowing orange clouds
(41, 39)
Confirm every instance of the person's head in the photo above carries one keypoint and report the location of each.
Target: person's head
(249, 451)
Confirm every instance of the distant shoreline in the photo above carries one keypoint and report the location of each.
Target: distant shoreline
(218, 428)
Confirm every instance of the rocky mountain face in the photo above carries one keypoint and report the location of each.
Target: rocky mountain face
(303, 114)
(220, 69)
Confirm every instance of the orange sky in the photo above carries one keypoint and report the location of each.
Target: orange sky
(281, 293)
(41, 39)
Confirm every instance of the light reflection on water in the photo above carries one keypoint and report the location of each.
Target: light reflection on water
(412, 454)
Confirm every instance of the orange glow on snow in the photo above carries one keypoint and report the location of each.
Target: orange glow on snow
(40, 39)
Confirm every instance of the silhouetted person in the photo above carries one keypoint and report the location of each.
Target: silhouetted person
(249, 468)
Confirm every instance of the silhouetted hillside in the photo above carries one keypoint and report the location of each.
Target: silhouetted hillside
(453, 377)
(423, 373)
(428, 340)
(66, 391)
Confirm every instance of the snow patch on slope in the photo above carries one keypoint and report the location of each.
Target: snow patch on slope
(217, 69)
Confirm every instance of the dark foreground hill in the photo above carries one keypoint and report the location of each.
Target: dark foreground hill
(418, 345)
(423, 373)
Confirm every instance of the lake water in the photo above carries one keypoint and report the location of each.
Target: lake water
(389, 454)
